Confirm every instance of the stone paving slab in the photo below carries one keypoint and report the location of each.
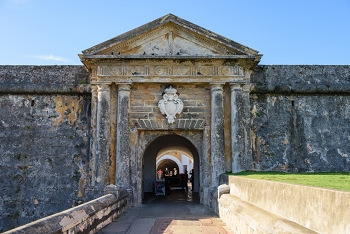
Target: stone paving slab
(179, 212)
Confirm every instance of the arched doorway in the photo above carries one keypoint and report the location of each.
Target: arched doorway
(165, 149)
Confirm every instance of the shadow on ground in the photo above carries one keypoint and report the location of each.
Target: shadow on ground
(178, 212)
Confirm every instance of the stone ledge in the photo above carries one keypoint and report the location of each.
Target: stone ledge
(322, 210)
(86, 218)
(242, 217)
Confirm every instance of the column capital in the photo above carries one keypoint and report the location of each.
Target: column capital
(236, 87)
(124, 86)
(93, 89)
(216, 86)
(247, 87)
(103, 87)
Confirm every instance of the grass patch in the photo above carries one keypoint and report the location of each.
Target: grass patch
(331, 180)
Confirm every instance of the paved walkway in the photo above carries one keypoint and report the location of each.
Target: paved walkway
(179, 212)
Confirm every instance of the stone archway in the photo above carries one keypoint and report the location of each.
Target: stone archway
(151, 152)
(169, 160)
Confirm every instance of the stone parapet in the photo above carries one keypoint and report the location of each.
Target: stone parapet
(44, 79)
(301, 79)
(86, 218)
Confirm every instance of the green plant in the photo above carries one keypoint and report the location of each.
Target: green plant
(87, 97)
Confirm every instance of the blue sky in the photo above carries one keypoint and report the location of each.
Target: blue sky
(53, 32)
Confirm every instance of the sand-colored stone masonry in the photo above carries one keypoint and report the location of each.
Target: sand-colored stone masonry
(145, 113)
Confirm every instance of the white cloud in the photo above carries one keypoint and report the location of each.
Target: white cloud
(50, 57)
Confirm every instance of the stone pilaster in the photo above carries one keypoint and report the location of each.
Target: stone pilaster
(246, 121)
(123, 170)
(113, 133)
(217, 133)
(102, 135)
(238, 161)
(93, 135)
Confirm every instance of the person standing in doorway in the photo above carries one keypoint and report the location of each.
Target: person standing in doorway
(166, 172)
(159, 174)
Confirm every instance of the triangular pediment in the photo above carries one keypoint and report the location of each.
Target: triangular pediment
(165, 43)
(170, 36)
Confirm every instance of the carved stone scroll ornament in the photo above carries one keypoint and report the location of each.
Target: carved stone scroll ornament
(171, 104)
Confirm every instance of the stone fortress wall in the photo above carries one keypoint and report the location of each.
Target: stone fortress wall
(300, 118)
(299, 123)
(44, 141)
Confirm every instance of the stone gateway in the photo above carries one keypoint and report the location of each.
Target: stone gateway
(168, 94)
(154, 66)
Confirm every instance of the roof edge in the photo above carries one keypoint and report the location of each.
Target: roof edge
(161, 21)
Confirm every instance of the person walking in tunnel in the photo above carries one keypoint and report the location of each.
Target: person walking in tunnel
(184, 181)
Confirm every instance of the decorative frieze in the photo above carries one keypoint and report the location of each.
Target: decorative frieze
(169, 70)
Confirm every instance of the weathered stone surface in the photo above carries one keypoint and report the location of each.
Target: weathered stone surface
(217, 133)
(103, 135)
(44, 79)
(301, 79)
(131, 42)
(44, 145)
(123, 157)
(86, 218)
(146, 115)
(300, 133)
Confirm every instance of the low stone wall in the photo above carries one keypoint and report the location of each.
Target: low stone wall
(251, 204)
(86, 218)
(243, 217)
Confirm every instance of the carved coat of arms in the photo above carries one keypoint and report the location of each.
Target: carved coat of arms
(170, 105)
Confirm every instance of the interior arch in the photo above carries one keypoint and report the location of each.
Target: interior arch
(160, 147)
